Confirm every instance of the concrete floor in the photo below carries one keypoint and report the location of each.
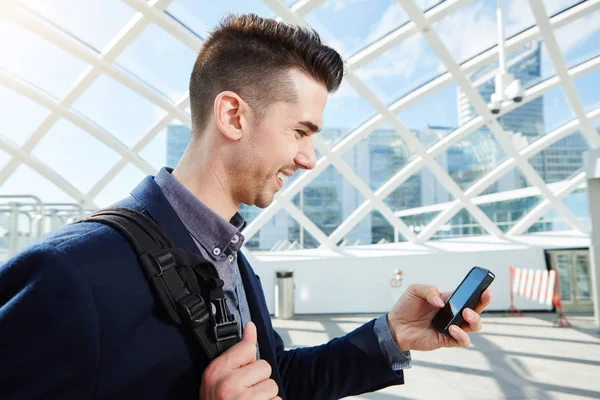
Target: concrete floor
(511, 358)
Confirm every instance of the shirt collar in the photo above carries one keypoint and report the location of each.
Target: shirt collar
(218, 236)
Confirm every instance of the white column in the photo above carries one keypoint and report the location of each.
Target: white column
(591, 161)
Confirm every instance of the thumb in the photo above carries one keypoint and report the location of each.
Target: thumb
(249, 335)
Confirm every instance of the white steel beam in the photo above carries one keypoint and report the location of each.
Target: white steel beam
(545, 204)
(42, 169)
(133, 28)
(549, 39)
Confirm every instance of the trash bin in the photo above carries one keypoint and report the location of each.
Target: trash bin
(284, 294)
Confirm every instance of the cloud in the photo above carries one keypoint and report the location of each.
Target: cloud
(578, 32)
(389, 20)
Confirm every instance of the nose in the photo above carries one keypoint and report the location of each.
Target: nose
(306, 157)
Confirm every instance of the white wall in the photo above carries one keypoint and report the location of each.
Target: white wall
(354, 282)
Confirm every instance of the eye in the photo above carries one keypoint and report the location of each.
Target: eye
(301, 132)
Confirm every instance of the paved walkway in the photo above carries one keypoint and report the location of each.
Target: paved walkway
(512, 358)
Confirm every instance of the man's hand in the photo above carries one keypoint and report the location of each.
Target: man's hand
(410, 319)
(236, 374)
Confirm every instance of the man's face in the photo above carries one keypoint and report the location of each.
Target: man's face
(282, 143)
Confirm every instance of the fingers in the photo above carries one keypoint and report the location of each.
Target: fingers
(266, 389)
(254, 373)
(461, 337)
(484, 301)
(472, 319)
(429, 293)
(446, 295)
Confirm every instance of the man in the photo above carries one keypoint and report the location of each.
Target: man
(77, 316)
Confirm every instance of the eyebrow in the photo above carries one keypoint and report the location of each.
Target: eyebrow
(313, 128)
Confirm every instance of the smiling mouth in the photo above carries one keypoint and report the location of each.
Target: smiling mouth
(282, 177)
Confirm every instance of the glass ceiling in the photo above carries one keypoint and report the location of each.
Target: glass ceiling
(93, 97)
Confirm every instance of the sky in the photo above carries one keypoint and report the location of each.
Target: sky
(164, 64)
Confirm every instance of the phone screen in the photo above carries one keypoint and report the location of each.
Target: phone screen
(464, 291)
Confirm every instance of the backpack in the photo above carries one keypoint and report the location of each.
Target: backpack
(186, 285)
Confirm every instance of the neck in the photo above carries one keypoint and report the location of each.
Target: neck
(206, 179)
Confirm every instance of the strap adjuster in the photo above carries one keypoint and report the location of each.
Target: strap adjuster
(192, 309)
(226, 331)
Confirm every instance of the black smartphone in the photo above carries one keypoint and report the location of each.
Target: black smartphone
(466, 295)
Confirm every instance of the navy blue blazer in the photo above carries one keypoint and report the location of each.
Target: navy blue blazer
(78, 320)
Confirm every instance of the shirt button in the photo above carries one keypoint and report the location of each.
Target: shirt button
(235, 239)
(230, 258)
(216, 251)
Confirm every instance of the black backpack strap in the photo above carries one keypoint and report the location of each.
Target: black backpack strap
(187, 285)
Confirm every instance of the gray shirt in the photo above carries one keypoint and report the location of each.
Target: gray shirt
(219, 241)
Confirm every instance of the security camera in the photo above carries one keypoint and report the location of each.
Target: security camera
(515, 91)
(494, 107)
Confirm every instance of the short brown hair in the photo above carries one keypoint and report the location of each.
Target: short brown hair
(252, 56)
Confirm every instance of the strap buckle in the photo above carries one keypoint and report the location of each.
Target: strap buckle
(192, 308)
(225, 327)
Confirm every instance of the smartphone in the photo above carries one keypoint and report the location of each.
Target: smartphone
(466, 295)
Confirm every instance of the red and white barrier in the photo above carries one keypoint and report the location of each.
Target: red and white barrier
(533, 284)
(537, 285)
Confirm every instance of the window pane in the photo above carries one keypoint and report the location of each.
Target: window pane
(86, 161)
(472, 29)
(578, 40)
(587, 87)
(562, 159)
(28, 181)
(402, 69)
(151, 57)
(27, 56)
(345, 111)
(19, 116)
(371, 20)
(95, 22)
(120, 186)
(202, 16)
(122, 112)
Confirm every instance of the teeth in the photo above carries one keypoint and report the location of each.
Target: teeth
(282, 177)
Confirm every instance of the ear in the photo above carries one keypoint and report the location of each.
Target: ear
(231, 115)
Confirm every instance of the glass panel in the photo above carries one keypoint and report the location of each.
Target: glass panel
(345, 111)
(436, 112)
(19, 116)
(578, 40)
(402, 69)
(299, 238)
(328, 199)
(120, 186)
(549, 222)
(96, 22)
(462, 224)
(26, 180)
(86, 161)
(280, 233)
(587, 87)
(554, 7)
(378, 157)
(582, 266)
(577, 203)
(119, 110)
(560, 160)
(178, 137)
(151, 57)
(472, 157)
(472, 29)
(373, 229)
(510, 181)
(420, 190)
(562, 265)
(371, 20)
(26, 55)
(202, 16)
(506, 213)
(156, 152)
